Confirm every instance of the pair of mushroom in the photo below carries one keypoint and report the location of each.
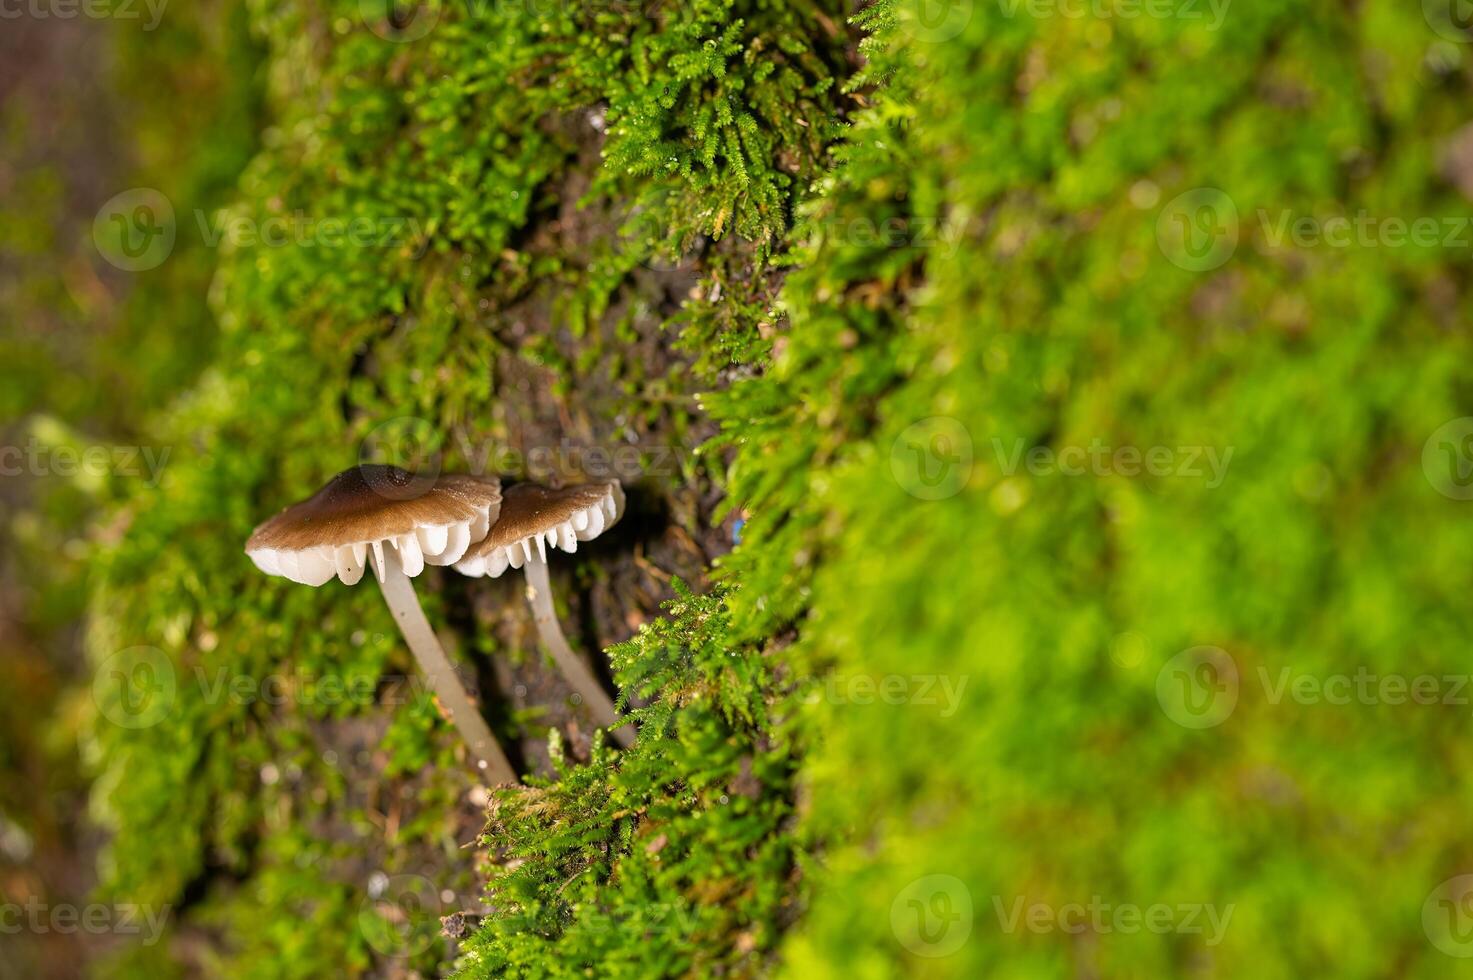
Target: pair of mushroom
(397, 523)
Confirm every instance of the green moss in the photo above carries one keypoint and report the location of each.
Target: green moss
(1055, 317)
(470, 152)
(675, 857)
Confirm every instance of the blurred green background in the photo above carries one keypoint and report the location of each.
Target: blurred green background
(1048, 428)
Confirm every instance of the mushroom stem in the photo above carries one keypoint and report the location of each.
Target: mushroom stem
(574, 670)
(404, 604)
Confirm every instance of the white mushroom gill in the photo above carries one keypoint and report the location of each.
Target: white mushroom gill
(584, 525)
(529, 553)
(425, 545)
(313, 541)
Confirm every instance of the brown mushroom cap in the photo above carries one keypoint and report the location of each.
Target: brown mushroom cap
(335, 531)
(533, 517)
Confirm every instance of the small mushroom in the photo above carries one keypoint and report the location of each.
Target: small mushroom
(533, 519)
(387, 518)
